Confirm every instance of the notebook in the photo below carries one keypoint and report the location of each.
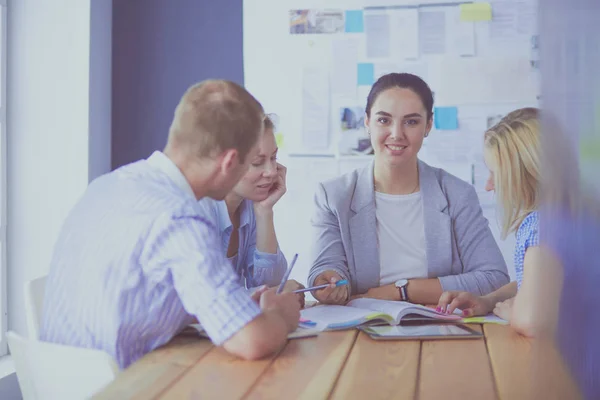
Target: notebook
(368, 311)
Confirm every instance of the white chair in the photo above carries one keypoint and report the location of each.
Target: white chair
(34, 303)
(52, 371)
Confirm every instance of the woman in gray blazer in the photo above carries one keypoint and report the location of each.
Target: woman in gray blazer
(400, 229)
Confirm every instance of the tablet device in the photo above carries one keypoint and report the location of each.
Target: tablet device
(421, 332)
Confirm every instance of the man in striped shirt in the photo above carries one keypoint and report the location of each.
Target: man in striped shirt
(137, 260)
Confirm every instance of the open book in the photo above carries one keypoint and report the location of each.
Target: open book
(365, 311)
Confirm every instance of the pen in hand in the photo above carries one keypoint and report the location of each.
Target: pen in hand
(287, 274)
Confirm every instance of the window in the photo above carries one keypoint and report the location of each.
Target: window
(3, 288)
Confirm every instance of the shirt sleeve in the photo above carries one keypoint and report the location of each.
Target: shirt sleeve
(184, 252)
(533, 236)
(484, 269)
(327, 249)
(263, 268)
(531, 239)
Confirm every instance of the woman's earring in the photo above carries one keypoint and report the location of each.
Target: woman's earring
(369, 132)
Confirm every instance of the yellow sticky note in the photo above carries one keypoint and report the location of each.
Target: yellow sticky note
(476, 12)
(279, 139)
(473, 320)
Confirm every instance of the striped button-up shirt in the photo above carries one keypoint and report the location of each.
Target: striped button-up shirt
(254, 267)
(136, 260)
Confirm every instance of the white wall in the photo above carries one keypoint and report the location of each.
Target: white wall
(48, 120)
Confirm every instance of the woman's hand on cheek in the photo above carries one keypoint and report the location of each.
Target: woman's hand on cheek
(276, 192)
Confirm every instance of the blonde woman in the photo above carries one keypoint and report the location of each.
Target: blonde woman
(511, 152)
(245, 219)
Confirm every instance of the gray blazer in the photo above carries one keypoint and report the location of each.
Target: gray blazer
(461, 250)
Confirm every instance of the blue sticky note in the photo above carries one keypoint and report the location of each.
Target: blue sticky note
(446, 118)
(366, 74)
(354, 21)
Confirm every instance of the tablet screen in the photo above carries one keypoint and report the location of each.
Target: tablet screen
(420, 331)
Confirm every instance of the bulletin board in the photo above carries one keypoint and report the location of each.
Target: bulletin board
(313, 63)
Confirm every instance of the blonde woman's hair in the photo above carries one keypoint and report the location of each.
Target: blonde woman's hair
(513, 146)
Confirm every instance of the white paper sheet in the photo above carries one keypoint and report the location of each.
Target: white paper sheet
(477, 126)
(344, 72)
(432, 32)
(404, 40)
(460, 34)
(527, 21)
(362, 94)
(511, 18)
(377, 30)
(490, 81)
(315, 108)
(504, 20)
(450, 150)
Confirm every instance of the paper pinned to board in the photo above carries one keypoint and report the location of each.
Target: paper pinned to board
(365, 74)
(279, 140)
(512, 81)
(354, 21)
(315, 108)
(461, 34)
(344, 71)
(446, 118)
(404, 39)
(432, 32)
(470, 12)
(377, 29)
(454, 150)
(512, 19)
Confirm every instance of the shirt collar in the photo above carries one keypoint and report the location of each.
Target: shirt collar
(164, 164)
(245, 216)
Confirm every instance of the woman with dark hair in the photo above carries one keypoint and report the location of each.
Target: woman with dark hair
(400, 229)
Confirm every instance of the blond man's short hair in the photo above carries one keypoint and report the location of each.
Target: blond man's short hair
(214, 116)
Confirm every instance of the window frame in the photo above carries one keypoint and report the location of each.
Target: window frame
(3, 180)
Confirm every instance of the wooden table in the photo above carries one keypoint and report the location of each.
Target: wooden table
(350, 365)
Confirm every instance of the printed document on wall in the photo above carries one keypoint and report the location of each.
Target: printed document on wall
(377, 29)
(432, 31)
(344, 71)
(315, 108)
(512, 21)
(404, 33)
(460, 34)
(491, 80)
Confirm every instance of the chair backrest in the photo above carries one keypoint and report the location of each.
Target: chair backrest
(34, 303)
(52, 371)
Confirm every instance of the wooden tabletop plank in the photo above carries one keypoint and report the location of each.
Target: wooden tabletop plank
(510, 357)
(218, 375)
(158, 370)
(379, 369)
(551, 378)
(455, 369)
(307, 368)
(525, 368)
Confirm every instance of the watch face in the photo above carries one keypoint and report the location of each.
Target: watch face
(401, 282)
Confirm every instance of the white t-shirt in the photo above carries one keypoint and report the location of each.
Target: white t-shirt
(401, 237)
